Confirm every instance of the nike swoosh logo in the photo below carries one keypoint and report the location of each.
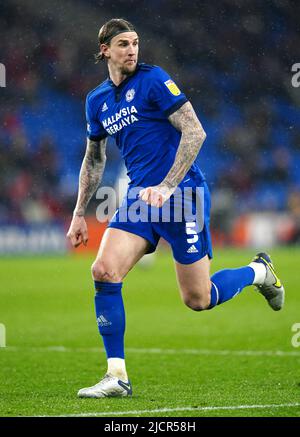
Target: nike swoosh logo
(277, 282)
(124, 385)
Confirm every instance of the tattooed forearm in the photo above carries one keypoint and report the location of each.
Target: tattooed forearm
(192, 138)
(91, 172)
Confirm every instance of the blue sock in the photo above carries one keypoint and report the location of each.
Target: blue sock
(110, 316)
(228, 283)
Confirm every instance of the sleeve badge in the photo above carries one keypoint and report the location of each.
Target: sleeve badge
(172, 87)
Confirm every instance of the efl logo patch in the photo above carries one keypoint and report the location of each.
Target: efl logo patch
(172, 87)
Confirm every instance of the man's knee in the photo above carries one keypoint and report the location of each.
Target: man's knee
(198, 300)
(102, 271)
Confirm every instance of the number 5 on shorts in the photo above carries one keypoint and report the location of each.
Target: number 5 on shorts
(189, 229)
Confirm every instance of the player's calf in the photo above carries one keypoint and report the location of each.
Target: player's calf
(197, 299)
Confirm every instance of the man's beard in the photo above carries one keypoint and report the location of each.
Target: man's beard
(126, 70)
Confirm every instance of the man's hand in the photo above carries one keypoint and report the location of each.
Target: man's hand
(78, 232)
(156, 196)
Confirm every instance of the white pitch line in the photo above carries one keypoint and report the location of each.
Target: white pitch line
(160, 351)
(171, 410)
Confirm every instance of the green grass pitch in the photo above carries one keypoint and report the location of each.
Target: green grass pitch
(223, 362)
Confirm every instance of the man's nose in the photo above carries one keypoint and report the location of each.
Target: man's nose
(132, 50)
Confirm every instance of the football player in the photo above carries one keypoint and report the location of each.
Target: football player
(159, 136)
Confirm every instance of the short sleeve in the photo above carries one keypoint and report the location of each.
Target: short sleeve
(95, 130)
(165, 93)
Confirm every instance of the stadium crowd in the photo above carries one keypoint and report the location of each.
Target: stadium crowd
(233, 60)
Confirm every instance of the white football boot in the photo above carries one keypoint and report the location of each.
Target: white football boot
(109, 386)
(272, 288)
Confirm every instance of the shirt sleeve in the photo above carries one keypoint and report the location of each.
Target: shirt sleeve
(95, 130)
(165, 93)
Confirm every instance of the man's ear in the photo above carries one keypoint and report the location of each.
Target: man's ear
(104, 49)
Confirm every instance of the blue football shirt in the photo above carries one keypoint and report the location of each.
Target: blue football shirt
(136, 114)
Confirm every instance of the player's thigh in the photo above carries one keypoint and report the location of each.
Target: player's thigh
(119, 251)
(194, 282)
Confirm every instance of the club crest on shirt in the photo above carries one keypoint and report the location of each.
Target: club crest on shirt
(130, 95)
(172, 87)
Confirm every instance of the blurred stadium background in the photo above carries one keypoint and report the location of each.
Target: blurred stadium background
(232, 60)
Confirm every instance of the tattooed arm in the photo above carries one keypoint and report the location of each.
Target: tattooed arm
(91, 172)
(186, 121)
